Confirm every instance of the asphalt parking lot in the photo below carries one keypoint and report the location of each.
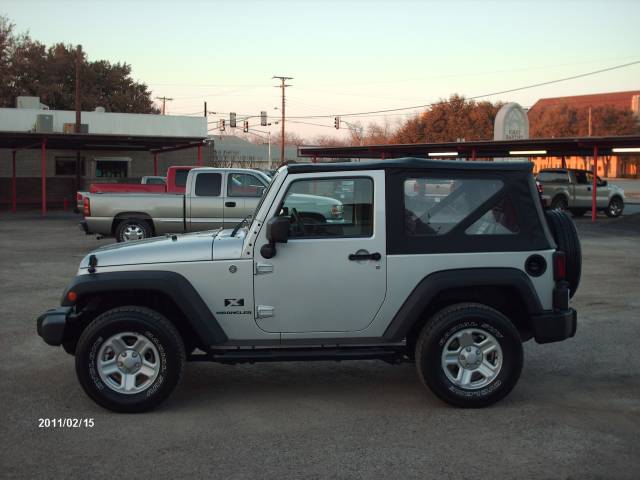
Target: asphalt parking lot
(574, 414)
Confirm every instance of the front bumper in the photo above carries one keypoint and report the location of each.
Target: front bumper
(51, 325)
(554, 326)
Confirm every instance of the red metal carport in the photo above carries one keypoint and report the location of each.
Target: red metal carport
(489, 150)
(16, 141)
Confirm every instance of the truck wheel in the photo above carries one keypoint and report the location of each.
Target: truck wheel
(129, 230)
(559, 203)
(469, 355)
(566, 236)
(129, 359)
(615, 207)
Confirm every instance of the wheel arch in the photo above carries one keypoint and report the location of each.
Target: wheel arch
(122, 216)
(508, 290)
(168, 293)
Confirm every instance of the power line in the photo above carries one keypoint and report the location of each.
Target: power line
(526, 87)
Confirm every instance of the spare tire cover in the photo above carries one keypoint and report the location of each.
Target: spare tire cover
(566, 236)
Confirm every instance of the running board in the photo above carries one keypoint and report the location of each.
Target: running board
(390, 355)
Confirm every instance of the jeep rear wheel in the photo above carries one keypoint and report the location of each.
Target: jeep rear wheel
(469, 355)
(129, 359)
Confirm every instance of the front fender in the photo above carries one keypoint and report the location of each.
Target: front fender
(171, 284)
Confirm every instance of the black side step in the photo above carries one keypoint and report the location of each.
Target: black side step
(391, 355)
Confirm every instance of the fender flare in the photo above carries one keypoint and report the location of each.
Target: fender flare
(122, 216)
(171, 284)
(435, 283)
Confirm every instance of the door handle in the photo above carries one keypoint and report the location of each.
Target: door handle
(354, 257)
(229, 204)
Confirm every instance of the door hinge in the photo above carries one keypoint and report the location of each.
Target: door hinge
(263, 268)
(264, 311)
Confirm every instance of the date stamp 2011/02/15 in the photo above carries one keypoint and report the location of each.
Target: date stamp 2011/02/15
(65, 423)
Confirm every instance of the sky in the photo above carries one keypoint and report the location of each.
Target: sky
(346, 56)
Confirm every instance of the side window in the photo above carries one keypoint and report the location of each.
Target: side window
(581, 177)
(553, 177)
(434, 206)
(501, 219)
(208, 184)
(244, 185)
(336, 207)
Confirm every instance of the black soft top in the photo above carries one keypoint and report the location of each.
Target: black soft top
(411, 163)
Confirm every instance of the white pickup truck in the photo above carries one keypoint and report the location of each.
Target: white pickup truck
(213, 198)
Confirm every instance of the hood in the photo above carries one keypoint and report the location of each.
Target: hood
(168, 249)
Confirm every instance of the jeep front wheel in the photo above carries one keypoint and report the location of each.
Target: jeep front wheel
(129, 359)
(469, 355)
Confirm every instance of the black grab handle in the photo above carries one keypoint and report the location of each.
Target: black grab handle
(365, 256)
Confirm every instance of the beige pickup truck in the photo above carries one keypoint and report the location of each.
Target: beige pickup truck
(213, 198)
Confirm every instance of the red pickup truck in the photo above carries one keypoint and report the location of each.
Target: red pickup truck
(175, 183)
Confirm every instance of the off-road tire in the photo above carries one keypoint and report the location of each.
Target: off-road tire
(143, 225)
(566, 236)
(444, 324)
(154, 327)
(615, 207)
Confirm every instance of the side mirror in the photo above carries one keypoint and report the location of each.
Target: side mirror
(278, 229)
(277, 232)
(260, 189)
(602, 183)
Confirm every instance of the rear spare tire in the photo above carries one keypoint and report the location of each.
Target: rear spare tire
(566, 236)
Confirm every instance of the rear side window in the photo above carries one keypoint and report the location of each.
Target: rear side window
(553, 177)
(501, 219)
(434, 206)
(208, 184)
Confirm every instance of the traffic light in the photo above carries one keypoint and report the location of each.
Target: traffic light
(246, 127)
(232, 119)
(336, 123)
(263, 118)
(222, 123)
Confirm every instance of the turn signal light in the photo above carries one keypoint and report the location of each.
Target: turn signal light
(86, 208)
(559, 266)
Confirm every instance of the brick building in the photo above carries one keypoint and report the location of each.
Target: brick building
(610, 165)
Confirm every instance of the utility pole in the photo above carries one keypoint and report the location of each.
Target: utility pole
(78, 106)
(282, 86)
(164, 101)
(205, 109)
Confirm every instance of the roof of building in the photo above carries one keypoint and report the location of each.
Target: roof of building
(617, 99)
(535, 147)
(88, 141)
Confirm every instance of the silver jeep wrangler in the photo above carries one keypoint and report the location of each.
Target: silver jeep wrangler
(450, 265)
